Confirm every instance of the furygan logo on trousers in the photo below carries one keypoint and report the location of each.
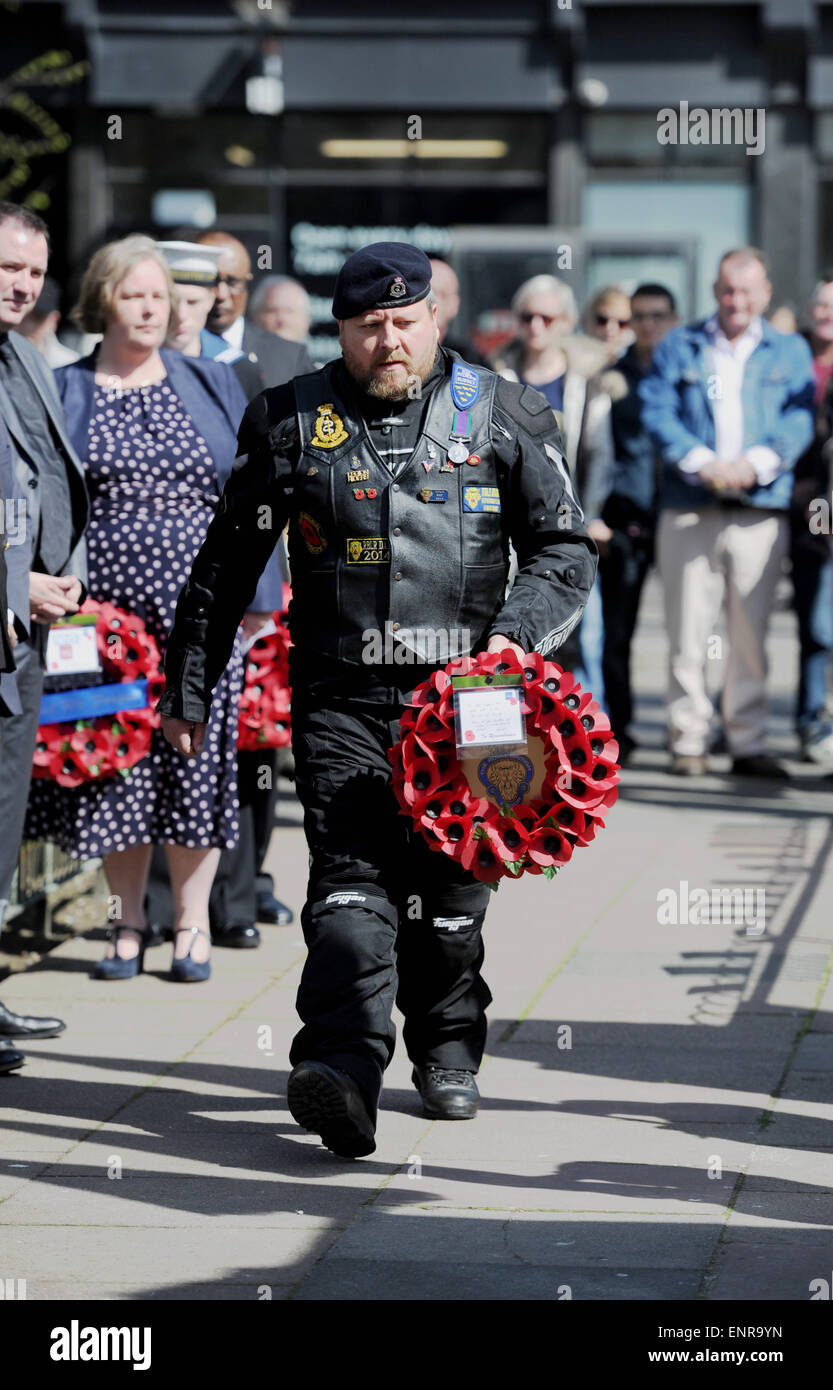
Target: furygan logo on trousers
(77, 1343)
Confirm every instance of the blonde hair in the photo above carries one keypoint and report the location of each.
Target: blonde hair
(546, 284)
(602, 299)
(109, 266)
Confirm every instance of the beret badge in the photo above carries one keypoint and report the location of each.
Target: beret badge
(397, 287)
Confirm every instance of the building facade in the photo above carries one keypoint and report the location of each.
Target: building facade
(601, 141)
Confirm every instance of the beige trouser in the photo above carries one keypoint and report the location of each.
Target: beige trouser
(704, 556)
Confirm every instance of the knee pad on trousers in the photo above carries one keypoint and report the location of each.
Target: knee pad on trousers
(460, 924)
(348, 913)
(369, 899)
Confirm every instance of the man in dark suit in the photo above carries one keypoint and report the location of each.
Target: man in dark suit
(38, 467)
(268, 360)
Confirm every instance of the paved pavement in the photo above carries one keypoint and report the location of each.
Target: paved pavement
(656, 1106)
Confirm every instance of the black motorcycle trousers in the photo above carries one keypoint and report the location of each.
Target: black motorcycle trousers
(386, 919)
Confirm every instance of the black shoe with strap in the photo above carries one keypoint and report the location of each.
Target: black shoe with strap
(330, 1103)
(448, 1093)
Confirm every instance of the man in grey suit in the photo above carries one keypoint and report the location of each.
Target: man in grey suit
(47, 474)
(14, 574)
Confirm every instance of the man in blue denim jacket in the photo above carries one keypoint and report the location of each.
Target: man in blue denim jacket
(729, 404)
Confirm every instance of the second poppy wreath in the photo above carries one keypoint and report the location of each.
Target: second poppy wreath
(265, 714)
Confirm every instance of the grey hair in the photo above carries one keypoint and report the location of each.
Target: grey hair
(547, 284)
(269, 282)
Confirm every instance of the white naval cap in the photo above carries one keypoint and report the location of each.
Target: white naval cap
(191, 264)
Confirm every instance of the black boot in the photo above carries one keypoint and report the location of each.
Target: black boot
(448, 1093)
(329, 1103)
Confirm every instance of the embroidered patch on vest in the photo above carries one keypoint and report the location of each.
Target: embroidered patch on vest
(481, 499)
(314, 538)
(329, 428)
(368, 550)
(465, 386)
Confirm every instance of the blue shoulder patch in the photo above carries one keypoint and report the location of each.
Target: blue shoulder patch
(465, 386)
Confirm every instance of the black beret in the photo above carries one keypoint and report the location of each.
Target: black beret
(386, 275)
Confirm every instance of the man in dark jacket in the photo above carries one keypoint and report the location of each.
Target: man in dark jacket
(343, 455)
(268, 359)
(631, 507)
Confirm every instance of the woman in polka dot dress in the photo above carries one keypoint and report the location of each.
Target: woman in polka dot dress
(157, 432)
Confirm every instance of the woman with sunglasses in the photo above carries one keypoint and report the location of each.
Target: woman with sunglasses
(607, 318)
(570, 370)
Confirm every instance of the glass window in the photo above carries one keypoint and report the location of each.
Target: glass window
(627, 137)
(347, 140)
(716, 214)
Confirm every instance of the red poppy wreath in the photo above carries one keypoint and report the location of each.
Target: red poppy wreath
(265, 698)
(524, 821)
(84, 750)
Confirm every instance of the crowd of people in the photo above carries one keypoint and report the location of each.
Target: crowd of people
(699, 448)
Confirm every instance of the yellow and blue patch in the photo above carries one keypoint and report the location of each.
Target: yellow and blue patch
(481, 499)
(465, 386)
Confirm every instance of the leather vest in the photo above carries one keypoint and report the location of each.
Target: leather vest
(389, 569)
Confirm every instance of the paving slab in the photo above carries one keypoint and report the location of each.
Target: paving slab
(657, 1116)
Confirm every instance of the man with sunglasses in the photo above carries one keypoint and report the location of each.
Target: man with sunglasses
(268, 360)
(569, 369)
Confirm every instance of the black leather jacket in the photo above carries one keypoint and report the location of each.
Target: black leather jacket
(403, 548)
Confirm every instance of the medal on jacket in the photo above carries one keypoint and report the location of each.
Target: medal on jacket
(458, 448)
